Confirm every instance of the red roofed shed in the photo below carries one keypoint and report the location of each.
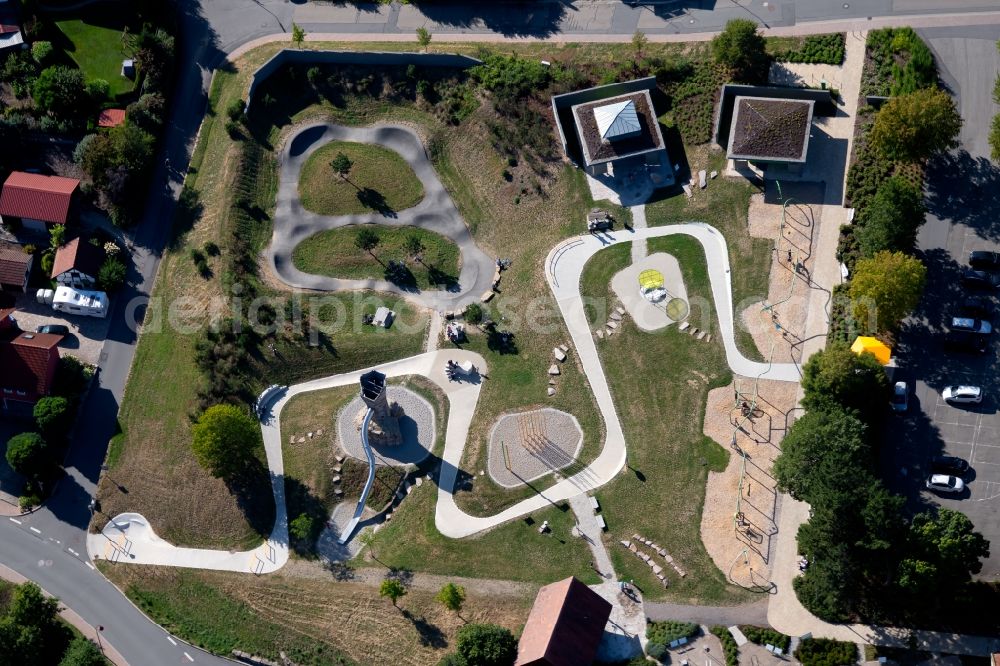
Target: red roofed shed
(111, 118)
(15, 267)
(29, 362)
(565, 626)
(37, 198)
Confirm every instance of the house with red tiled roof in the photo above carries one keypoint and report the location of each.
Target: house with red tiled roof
(38, 200)
(111, 118)
(15, 267)
(77, 264)
(565, 626)
(29, 361)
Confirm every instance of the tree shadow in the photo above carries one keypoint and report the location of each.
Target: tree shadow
(371, 198)
(399, 274)
(499, 341)
(966, 190)
(439, 278)
(512, 19)
(301, 500)
(254, 496)
(430, 635)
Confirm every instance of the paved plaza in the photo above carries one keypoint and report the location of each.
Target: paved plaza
(536, 443)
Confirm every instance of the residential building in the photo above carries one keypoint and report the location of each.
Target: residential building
(29, 362)
(565, 626)
(38, 200)
(111, 118)
(15, 267)
(77, 264)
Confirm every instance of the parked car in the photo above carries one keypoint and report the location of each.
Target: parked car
(975, 279)
(984, 260)
(966, 342)
(54, 329)
(900, 397)
(952, 465)
(978, 307)
(963, 395)
(971, 325)
(945, 483)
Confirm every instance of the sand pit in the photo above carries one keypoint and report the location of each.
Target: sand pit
(537, 443)
(649, 316)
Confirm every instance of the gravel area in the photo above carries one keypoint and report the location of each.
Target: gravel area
(554, 440)
(416, 426)
(759, 438)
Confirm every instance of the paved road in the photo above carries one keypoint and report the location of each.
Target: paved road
(754, 613)
(436, 212)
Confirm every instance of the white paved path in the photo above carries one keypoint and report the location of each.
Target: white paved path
(639, 250)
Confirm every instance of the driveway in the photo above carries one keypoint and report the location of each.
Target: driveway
(963, 196)
(86, 334)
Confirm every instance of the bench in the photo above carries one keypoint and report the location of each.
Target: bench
(602, 524)
(595, 504)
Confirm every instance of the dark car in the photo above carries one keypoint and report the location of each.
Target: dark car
(975, 279)
(978, 308)
(950, 465)
(965, 341)
(54, 329)
(984, 260)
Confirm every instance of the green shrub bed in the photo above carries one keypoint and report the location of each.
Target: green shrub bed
(729, 646)
(817, 50)
(766, 636)
(826, 652)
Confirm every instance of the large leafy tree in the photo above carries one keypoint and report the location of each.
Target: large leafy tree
(836, 376)
(27, 454)
(886, 288)
(945, 550)
(31, 633)
(822, 456)
(915, 126)
(741, 48)
(53, 416)
(486, 645)
(60, 91)
(225, 440)
(892, 220)
(82, 652)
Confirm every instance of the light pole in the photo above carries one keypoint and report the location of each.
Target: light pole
(105, 469)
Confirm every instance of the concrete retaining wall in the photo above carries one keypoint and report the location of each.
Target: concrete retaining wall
(379, 58)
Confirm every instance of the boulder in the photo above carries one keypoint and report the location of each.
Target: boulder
(554, 369)
(551, 391)
(559, 354)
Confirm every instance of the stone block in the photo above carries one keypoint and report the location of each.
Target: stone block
(554, 369)
(559, 354)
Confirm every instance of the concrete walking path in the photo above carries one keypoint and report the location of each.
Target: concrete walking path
(639, 247)
(588, 529)
(436, 212)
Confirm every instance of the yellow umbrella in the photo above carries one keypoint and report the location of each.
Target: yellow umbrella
(873, 346)
(651, 279)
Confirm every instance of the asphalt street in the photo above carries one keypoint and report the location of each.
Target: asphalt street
(48, 545)
(963, 196)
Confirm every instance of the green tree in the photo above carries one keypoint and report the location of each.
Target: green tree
(413, 246)
(111, 275)
(741, 48)
(53, 416)
(31, 632)
(892, 219)
(368, 539)
(57, 236)
(949, 546)
(298, 35)
(98, 90)
(342, 165)
(486, 645)
(82, 652)
(225, 440)
(59, 91)
(133, 148)
(995, 138)
(639, 44)
(41, 51)
(302, 528)
(824, 588)
(473, 313)
(915, 126)
(452, 597)
(423, 37)
(367, 240)
(837, 377)
(27, 454)
(393, 589)
(821, 453)
(886, 288)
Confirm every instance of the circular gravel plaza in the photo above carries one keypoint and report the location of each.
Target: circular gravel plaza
(416, 426)
(537, 443)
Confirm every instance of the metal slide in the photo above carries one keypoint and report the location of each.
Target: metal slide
(351, 526)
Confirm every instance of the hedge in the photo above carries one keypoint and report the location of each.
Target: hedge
(826, 652)
(766, 636)
(729, 646)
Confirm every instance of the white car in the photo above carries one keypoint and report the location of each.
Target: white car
(900, 397)
(945, 483)
(962, 394)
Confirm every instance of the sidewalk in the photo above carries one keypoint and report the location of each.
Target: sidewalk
(71, 618)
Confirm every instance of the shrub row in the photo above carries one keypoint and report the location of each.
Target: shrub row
(826, 652)
(817, 49)
(729, 646)
(766, 636)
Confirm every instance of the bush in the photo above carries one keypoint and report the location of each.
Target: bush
(82, 652)
(766, 636)
(28, 501)
(211, 249)
(656, 650)
(98, 89)
(669, 631)
(48, 261)
(225, 441)
(826, 652)
(71, 378)
(111, 275)
(473, 313)
(729, 646)
(236, 109)
(511, 76)
(27, 454)
(741, 48)
(486, 645)
(303, 528)
(995, 138)
(41, 51)
(20, 71)
(59, 91)
(817, 49)
(53, 416)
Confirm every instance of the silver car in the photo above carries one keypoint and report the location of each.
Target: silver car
(945, 483)
(900, 397)
(962, 395)
(972, 325)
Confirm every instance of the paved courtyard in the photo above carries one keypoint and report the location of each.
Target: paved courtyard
(86, 334)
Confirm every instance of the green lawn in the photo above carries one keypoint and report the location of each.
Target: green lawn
(334, 253)
(380, 180)
(96, 48)
(660, 382)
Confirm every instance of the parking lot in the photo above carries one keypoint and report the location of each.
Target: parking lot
(86, 334)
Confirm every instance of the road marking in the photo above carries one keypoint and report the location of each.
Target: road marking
(75, 554)
(189, 657)
(172, 641)
(15, 520)
(35, 530)
(89, 565)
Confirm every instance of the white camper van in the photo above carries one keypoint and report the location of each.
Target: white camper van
(81, 302)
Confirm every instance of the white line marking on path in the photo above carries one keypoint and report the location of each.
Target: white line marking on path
(75, 554)
(172, 641)
(89, 565)
(15, 520)
(35, 530)
(189, 657)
